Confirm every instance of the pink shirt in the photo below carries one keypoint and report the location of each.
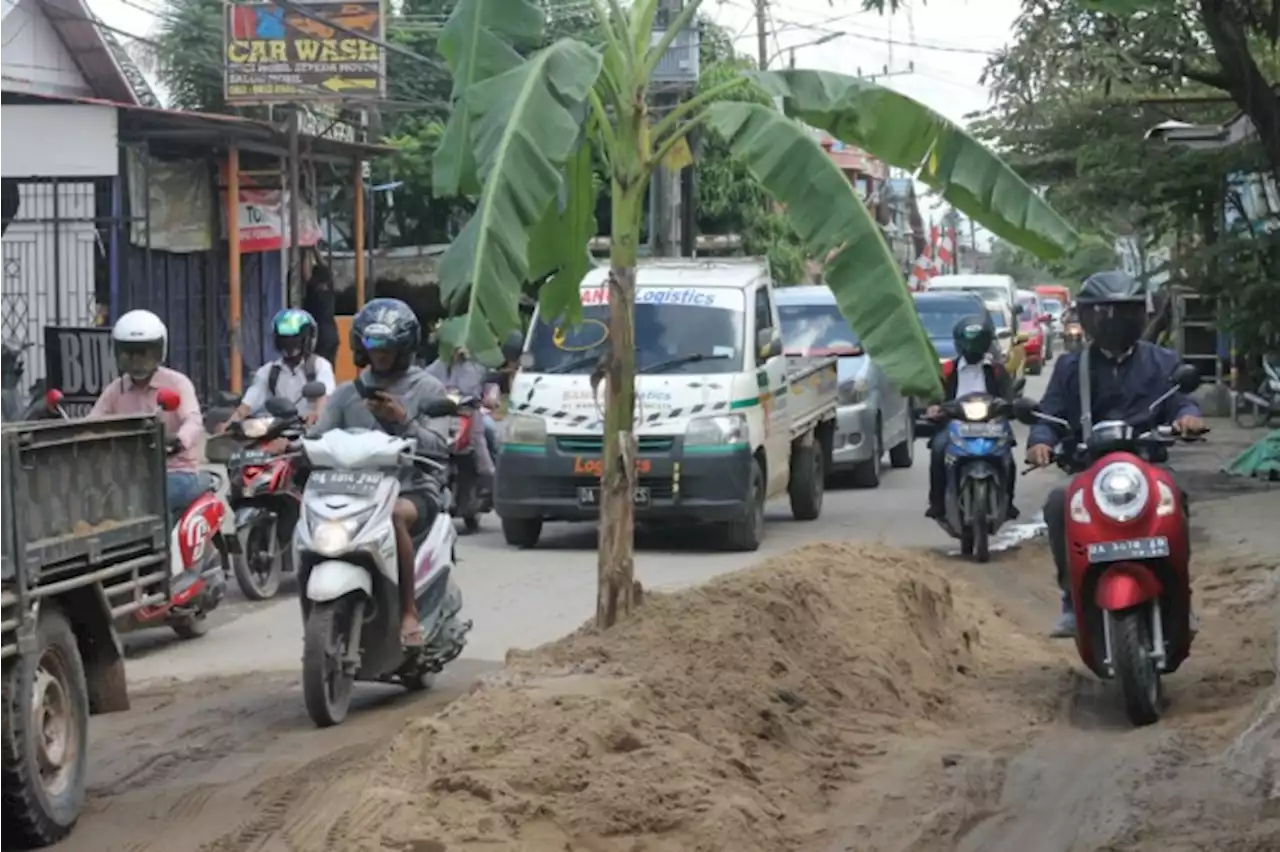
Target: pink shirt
(124, 396)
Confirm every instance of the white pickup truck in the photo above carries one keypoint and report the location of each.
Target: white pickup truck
(724, 420)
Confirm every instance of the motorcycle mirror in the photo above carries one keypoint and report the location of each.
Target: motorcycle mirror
(1186, 377)
(220, 448)
(280, 407)
(1024, 410)
(167, 399)
(313, 390)
(442, 407)
(512, 346)
(52, 399)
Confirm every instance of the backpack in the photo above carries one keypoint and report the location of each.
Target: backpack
(308, 370)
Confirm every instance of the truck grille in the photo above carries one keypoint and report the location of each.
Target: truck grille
(591, 444)
(659, 489)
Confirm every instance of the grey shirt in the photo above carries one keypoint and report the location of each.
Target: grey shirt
(468, 376)
(346, 409)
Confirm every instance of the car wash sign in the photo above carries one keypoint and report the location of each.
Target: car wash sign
(78, 362)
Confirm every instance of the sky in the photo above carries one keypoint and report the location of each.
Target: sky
(935, 52)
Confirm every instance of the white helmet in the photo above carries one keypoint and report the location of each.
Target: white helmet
(141, 327)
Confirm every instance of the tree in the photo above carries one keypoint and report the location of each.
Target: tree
(186, 54)
(522, 135)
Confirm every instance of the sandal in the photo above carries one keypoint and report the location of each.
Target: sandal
(412, 638)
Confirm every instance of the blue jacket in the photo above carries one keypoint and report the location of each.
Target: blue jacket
(1121, 391)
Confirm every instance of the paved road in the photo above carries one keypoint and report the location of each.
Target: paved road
(526, 598)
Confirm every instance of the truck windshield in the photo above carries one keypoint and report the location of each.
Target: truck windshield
(817, 330)
(667, 329)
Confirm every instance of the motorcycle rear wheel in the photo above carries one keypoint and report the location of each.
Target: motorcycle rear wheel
(326, 686)
(1135, 670)
(260, 585)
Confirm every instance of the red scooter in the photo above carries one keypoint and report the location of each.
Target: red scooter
(1128, 554)
(199, 545)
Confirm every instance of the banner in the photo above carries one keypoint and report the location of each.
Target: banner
(275, 54)
(181, 204)
(79, 362)
(264, 221)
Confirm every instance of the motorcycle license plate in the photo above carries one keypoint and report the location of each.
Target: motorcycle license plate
(247, 457)
(589, 495)
(982, 430)
(360, 483)
(1155, 547)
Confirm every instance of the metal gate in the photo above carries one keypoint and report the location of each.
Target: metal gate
(57, 260)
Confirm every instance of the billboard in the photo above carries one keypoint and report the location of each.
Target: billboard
(272, 54)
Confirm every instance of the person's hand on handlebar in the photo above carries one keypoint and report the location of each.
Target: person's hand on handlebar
(1189, 425)
(1039, 455)
(933, 412)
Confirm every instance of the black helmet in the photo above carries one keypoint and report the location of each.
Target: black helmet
(386, 324)
(973, 336)
(1113, 310)
(294, 331)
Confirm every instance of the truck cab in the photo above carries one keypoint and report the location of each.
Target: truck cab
(720, 409)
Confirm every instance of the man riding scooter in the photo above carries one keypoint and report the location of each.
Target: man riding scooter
(294, 333)
(972, 371)
(468, 377)
(390, 395)
(1126, 375)
(141, 342)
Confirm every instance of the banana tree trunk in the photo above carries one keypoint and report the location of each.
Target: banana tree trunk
(617, 591)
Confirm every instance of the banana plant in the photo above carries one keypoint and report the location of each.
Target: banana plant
(522, 135)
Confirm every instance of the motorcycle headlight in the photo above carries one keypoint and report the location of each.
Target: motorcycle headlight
(524, 429)
(976, 410)
(852, 392)
(330, 538)
(256, 427)
(1120, 491)
(720, 430)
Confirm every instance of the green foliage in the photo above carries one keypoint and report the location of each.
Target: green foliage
(187, 54)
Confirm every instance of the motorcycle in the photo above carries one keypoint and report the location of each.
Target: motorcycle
(1127, 550)
(265, 497)
(979, 454)
(200, 544)
(1264, 403)
(346, 554)
(466, 427)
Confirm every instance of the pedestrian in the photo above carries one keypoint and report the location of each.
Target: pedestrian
(318, 300)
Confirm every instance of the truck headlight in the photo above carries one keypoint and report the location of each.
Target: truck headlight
(524, 429)
(330, 538)
(716, 431)
(852, 392)
(1120, 491)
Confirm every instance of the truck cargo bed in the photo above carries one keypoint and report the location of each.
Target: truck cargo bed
(813, 394)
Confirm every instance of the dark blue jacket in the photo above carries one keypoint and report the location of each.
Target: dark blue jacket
(1120, 391)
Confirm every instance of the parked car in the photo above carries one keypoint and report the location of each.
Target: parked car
(872, 416)
(939, 312)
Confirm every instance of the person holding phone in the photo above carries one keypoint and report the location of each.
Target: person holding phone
(390, 394)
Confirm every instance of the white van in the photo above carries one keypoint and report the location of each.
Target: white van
(994, 289)
(724, 419)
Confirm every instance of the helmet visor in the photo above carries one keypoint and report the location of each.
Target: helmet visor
(138, 361)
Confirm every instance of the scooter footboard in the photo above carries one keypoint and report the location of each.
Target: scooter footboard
(1124, 585)
(333, 578)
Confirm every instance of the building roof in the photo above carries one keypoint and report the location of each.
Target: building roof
(81, 34)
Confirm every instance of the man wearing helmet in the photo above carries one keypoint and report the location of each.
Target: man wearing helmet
(294, 333)
(1126, 375)
(140, 341)
(390, 394)
(467, 376)
(973, 370)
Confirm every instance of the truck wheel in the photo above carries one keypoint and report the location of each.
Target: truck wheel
(46, 731)
(746, 534)
(522, 532)
(326, 684)
(903, 455)
(866, 474)
(807, 478)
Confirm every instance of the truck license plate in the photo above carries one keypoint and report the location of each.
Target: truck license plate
(1155, 547)
(589, 495)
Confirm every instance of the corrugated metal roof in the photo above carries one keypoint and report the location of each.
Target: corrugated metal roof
(78, 29)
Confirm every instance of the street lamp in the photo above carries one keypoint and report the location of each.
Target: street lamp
(792, 50)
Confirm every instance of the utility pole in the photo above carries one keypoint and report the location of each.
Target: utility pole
(670, 200)
(294, 291)
(762, 34)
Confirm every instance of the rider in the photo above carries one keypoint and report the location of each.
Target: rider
(294, 333)
(973, 370)
(467, 376)
(1126, 375)
(141, 342)
(384, 338)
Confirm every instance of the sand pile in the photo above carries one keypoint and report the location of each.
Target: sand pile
(719, 718)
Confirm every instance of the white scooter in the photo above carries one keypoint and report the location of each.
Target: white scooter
(345, 550)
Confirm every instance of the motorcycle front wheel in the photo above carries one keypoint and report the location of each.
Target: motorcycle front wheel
(326, 682)
(981, 547)
(1136, 671)
(258, 566)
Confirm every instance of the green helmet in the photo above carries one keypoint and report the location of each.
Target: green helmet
(973, 337)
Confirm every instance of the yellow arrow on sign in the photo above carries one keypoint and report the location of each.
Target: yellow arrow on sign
(338, 84)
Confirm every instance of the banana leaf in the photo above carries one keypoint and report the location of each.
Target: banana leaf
(558, 246)
(526, 124)
(478, 41)
(829, 216)
(904, 133)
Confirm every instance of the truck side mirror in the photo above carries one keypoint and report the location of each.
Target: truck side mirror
(767, 345)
